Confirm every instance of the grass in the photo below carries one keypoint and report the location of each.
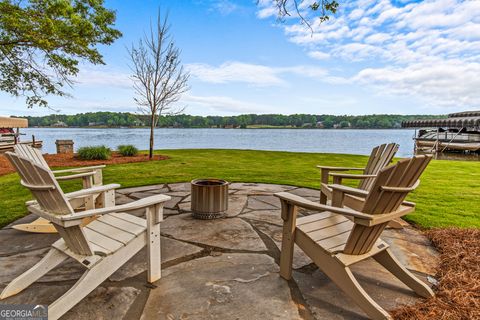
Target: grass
(449, 194)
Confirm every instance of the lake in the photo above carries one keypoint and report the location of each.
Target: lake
(297, 140)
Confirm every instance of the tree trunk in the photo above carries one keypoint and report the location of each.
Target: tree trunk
(152, 127)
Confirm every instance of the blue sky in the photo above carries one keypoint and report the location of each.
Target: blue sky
(404, 57)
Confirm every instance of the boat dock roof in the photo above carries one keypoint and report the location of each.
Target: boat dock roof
(8, 122)
(454, 120)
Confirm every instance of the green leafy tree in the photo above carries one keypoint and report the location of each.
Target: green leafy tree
(43, 41)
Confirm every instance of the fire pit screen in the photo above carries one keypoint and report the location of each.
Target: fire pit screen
(209, 198)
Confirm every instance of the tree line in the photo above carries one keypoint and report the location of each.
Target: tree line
(125, 119)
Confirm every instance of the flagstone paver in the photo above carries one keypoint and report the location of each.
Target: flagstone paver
(232, 233)
(170, 250)
(229, 286)
(255, 204)
(236, 204)
(268, 216)
(270, 199)
(328, 302)
(304, 192)
(274, 232)
(13, 241)
(219, 269)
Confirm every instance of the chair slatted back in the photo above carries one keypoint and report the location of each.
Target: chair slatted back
(50, 197)
(389, 190)
(30, 153)
(380, 157)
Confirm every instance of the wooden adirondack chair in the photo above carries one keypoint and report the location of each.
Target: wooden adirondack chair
(337, 237)
(102, 246)
(380, 157)
(90, 176)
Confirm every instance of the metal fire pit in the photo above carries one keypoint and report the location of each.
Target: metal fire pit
(209, 198)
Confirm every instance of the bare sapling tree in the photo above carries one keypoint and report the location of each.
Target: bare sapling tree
(159, 78)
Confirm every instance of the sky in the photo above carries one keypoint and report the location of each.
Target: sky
(372, 57)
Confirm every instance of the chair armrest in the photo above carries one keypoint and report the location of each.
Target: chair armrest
(352, 176)
(358, 217)
(349, 190)
(75, 176)
(325, 171)
(307, 204)
(131, 206)
(361, 193)
(90, 191)
(337, 177)
(73, 219)
(331, 168)
(83, 193)
(81, 169)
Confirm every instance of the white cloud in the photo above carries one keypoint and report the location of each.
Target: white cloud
(319, 55)
(222, 105)
(428, 49)
(224, 7)
(102, 76)
(268, 9)
(445, 84)
(267, 12)
(235, 72)
(253, 74)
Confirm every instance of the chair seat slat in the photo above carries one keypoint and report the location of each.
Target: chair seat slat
(130, 218)
(102, 240)
(111, 231)
(122, 224)
(331, 231)
(313, 217)
(322, 221)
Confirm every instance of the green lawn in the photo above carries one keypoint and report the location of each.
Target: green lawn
(449, 194)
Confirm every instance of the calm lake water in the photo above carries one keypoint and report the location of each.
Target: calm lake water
(297, 140)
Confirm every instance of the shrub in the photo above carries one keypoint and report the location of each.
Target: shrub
(127, 150)
(94, 153)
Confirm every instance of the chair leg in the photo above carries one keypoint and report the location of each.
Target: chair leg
(286, 258)
(323, 198)
(289, 215)
(154, 272)
(325, 193)
(343, 277)
(93, 277)
(389, 262)
(52, 259)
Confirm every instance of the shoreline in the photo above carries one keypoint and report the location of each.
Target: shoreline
(255, 128)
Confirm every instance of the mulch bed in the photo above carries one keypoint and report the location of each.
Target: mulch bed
(458, 291)
(69, 160)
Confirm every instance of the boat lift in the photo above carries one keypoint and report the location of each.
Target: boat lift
(10, 133)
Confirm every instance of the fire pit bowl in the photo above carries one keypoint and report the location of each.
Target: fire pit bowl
(209, 198)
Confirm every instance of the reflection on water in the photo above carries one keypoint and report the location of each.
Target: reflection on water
(350, 141)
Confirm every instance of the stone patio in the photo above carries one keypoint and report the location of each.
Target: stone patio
(219, 269)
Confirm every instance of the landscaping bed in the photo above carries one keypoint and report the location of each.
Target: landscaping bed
(458, 290)
(70, 160)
